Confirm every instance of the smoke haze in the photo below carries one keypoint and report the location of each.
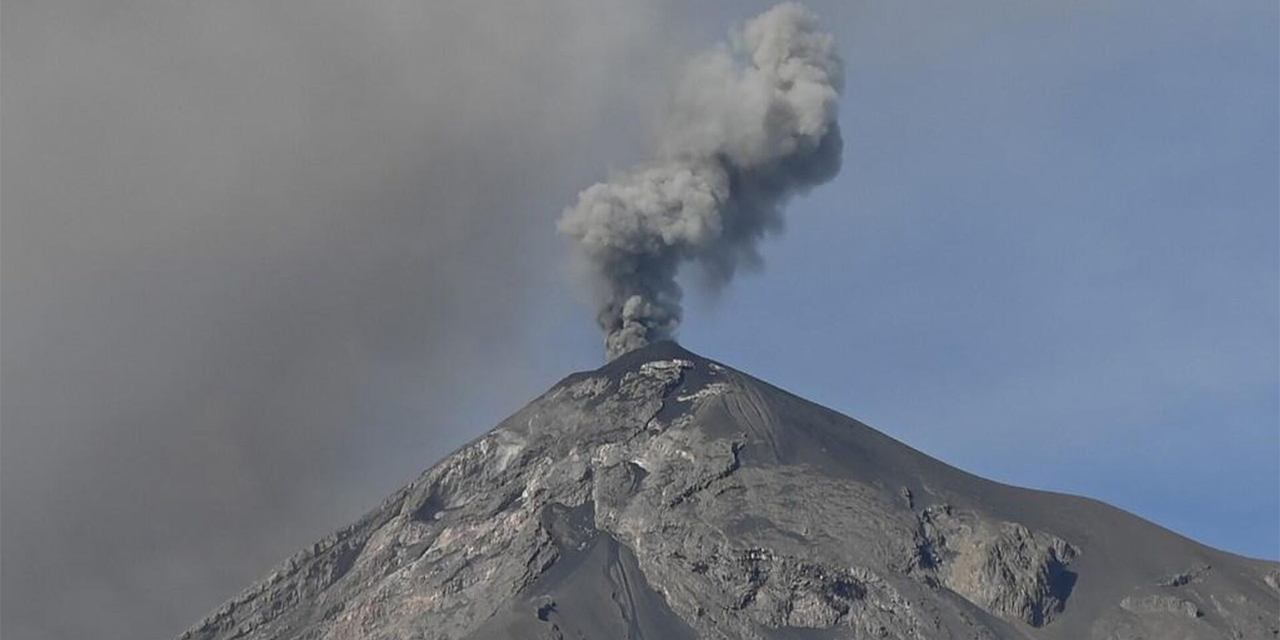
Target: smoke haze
(752, 123)
(255, 256)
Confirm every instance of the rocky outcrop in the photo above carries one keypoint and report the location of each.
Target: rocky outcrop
(1161, 604)
(1002, 567)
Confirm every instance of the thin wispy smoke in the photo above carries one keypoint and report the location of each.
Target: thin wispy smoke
(752, 123)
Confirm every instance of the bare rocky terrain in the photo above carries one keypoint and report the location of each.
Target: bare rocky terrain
(665, 496)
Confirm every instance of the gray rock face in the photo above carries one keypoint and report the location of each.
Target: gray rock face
(665, 496)
(1002, 567)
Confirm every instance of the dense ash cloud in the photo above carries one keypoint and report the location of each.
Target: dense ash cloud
(752, 123)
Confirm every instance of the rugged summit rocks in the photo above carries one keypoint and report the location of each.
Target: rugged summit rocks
(665, 496)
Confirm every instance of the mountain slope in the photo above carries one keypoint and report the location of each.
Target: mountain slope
(667, 496)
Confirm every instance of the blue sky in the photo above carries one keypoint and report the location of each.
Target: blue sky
(1050, 259)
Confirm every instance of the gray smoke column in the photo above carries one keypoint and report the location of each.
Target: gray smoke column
(752, 122)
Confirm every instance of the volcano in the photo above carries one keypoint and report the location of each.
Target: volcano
(665, 496)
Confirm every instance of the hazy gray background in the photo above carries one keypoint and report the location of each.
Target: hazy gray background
(263, 262)
(253, 252)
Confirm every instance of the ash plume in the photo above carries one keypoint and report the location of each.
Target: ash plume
(752, 123)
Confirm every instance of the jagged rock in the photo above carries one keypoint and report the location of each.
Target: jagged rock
(1184, 578)
(668, 497)
(1002, 567)
(1273, 579)
(1161, 604)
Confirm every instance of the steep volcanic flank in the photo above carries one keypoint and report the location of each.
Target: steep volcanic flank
(665, 496)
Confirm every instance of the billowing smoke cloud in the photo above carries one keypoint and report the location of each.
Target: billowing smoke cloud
(752, 123)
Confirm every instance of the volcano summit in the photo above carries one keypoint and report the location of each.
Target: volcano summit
(666, 496)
